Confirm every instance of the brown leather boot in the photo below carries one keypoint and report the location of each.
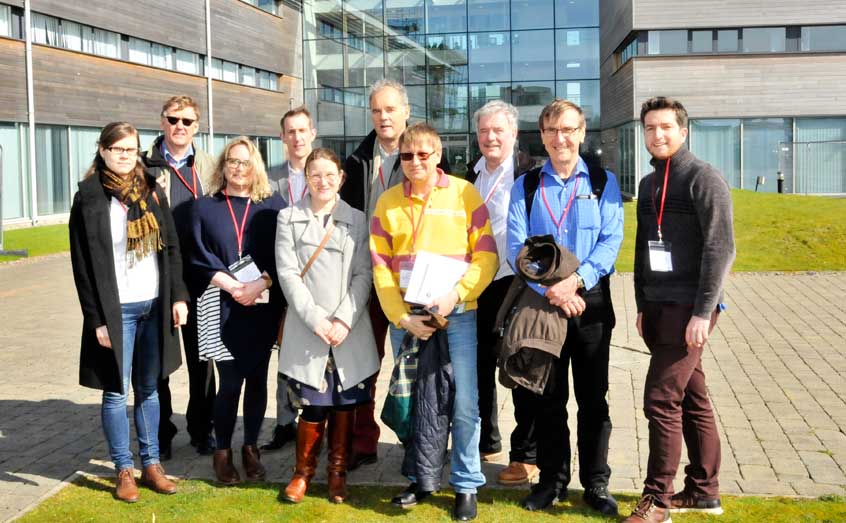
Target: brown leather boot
(251, 459)
(125, 487)
(224, 469)
(154, 477)
(309, 438)
(340, 433)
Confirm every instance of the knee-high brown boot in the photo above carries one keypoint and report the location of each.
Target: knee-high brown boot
(309, 439)
(340, 432)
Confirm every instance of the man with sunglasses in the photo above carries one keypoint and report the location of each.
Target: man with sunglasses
(582, 209)
(181, 169)
(371, 169)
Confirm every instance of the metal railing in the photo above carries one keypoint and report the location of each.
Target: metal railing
(818, 167)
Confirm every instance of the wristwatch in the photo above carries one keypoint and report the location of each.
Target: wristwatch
(580, 282)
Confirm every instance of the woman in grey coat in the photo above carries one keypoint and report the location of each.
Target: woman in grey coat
(328, 350)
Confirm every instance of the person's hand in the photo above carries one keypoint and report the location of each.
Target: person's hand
(179, 312)
(234, 288)
(563, 291)
(573, 307)
(697, 332)
(639, 324)
(103, 339)
(414, 324)
(444, 303)
(322, 331)
(338, 333)
(250, 292)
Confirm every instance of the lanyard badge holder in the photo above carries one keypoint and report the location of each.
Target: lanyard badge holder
(660, 252)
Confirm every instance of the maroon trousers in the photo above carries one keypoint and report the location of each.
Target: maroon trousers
(676, 403)
(365, 436)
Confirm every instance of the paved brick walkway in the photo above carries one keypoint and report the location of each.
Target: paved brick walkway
(776, 366)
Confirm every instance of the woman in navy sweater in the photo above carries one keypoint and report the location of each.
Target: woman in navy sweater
(233, 231)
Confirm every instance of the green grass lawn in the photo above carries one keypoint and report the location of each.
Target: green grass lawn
(774, 233)
(90, 499)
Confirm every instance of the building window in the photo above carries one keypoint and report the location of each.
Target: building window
(577, 53)
(585, 94)
(533, 55)
(5, 20)
(405, 16)
(763, 139)
(490, 57)
(264, 5)
(702, 41)
(363, 18)
(15, 189)
(140, 51)
(728, 41)
(446, 16)
(488, 15)
(83, 148)
(530, 98)
(161, 56)
(764, 39)
(718, 143)
(45, 30)
(532, 14)
(365, 64)
(576, 13)
(407, 59)
(448, 107)
(820, 151)
(51, 165)
(188, 62)
(824, 38)
(668, 42)
(248, 76)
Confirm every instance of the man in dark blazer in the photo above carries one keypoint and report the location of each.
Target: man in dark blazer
(297, 134)
(182, 170)
(371, 169)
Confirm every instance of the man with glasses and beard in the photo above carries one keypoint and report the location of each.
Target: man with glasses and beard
(181, 169)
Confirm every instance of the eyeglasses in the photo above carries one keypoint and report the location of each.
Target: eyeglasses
(407, 157)
(331, 177)
(235, 163)
(130, 151)
(173, 120)
(553, 132)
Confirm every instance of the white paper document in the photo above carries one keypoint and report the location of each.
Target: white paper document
(433, 276)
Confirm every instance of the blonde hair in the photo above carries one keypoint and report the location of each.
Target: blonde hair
(180, 102)
(421, 132)
(261, 187)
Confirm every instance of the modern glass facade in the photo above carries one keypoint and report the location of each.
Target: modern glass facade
(453, 56)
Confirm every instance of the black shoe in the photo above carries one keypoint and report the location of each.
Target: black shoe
(165, 450)
(601, 500)
(410, 496)
(465, 507)
(282, 435)
(205, 446)
(358, 459)
(541, 497)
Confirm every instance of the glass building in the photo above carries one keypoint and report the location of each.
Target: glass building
(453, 56)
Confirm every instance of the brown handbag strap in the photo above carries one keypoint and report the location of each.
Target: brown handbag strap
(320, 247)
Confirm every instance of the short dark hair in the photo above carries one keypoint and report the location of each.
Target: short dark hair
(294, 112)
(556, 108)
(658, 103)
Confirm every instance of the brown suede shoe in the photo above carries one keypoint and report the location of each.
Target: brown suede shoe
(154, 477)
(224, 469)
(125, 487)
(649, 511)
(251, 459)
(517, 473)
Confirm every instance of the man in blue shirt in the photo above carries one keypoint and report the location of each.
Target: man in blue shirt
(565, 204)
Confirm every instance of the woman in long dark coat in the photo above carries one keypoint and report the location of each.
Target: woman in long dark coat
(233, 234)
(128, 274)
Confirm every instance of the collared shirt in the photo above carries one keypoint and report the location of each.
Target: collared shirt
(592, 230)
(499, 181)
(296, 185)
(172, 160)
(384, 161)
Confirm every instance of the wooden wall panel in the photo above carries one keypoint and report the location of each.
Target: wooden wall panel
(147, 19)
(245, 110)
(745, 86)
(12, 81)
(78, 89)
(616, 94)
(671, 14)
(247, 35)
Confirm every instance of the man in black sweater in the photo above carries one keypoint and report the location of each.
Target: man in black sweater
(684, 249)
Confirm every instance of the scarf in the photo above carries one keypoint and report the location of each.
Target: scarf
(143, 236)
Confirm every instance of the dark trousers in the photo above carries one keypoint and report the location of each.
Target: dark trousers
(201, 389)
(486, 340)
(586, 347)
(676, 403)
(524, 443)
(254, 382)
(365, 437)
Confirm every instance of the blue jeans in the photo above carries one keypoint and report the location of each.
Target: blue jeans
(142, 363)
(466, 468)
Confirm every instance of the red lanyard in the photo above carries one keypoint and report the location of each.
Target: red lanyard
(415, 228)
(660, 212)
(381, 178)
(493, 189)
(559, 222)
(239, 233)
(184, 182)
(291, 192)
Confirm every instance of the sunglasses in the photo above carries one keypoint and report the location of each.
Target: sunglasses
(407, 157)
(173, 120)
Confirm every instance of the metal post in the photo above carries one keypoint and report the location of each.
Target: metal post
(780, 182)
(210, 143)
(30, 109)
(4, 252)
